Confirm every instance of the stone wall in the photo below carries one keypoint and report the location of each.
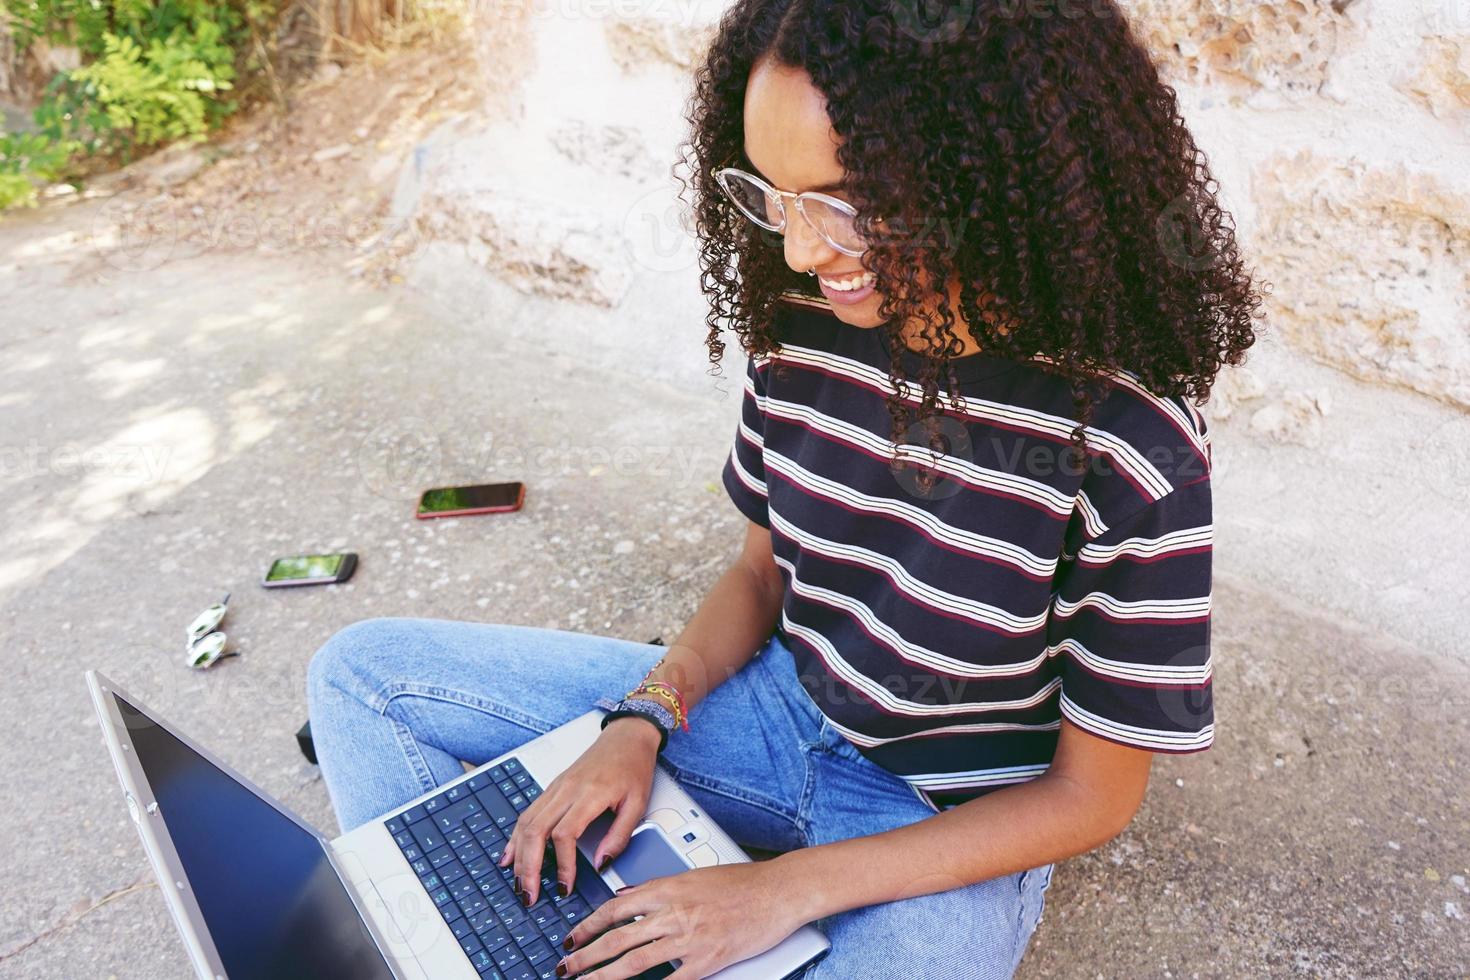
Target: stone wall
(1350, 122)
(1339, 132)
(1249, 48)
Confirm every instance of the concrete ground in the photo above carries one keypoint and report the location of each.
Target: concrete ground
(166, 430)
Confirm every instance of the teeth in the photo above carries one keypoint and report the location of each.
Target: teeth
(847, 285)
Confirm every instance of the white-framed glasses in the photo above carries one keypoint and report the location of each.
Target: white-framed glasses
(833, 219)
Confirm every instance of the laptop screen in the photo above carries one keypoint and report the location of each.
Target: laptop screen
(273, 905)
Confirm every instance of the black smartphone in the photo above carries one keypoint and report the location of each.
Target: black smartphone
(484, 498)
(310, 570)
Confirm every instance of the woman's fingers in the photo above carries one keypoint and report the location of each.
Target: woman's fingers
(528, 841)
(629, 815)
(625, 904)
(615, 941)
(635, 961)
(563, 839)
(560, 832)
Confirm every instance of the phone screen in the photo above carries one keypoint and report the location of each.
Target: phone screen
(304, 566)
(446, 499)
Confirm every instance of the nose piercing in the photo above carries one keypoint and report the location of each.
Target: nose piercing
(812, 271)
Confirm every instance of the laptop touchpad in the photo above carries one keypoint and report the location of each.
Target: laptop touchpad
(648, 855)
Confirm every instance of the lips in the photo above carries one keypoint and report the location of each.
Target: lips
(845, 297)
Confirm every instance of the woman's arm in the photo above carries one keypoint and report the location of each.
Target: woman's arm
(733, 621)
(1086, 798)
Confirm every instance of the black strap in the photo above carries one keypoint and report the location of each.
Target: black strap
(663, 734)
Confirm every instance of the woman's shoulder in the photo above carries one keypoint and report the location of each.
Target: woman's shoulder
(1142, 445)
(1168, 432)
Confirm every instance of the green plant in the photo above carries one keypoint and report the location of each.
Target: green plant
(153, 71)
(165, 91)
(27, 159)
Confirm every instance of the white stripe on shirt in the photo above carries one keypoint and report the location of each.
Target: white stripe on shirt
(920, 592)
(1129, 459)
(918, 518)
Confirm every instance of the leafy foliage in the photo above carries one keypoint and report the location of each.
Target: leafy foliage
(153, 71)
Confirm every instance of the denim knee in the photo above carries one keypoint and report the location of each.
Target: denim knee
(349, 653)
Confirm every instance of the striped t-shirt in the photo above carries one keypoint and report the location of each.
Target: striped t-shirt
(946, 636)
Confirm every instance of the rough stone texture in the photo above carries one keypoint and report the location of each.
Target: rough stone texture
(1284, 46)
(1353, 203)
(1233, 390)
(637, 42)
(1297, 417)
(1279, 415)
(620, 149)
(1371, 269)
(542, 246)
(563, 187)
(1443, 81)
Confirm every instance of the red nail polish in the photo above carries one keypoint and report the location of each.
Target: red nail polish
(562, 890)
(561, 969)
(526, 899)
(602, 864)
(567, 942)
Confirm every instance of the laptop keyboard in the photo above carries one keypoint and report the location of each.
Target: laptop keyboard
(454, 841)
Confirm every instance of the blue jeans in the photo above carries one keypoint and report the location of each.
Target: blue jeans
(396, 704)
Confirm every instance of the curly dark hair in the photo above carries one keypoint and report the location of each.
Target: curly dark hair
(1076, 209)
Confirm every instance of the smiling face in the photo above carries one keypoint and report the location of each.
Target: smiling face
(789, 139)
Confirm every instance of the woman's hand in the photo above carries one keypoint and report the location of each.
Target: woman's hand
(616, 773)
(707, 918)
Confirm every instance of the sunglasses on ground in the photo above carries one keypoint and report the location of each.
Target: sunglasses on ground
(205, 643)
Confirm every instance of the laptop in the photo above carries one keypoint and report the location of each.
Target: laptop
(416, 894)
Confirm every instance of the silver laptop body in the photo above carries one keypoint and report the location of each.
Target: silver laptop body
(303, 905)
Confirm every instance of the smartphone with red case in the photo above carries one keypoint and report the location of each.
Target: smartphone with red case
(484, 498)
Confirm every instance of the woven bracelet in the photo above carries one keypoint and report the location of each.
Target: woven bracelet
(649, 692)
(661, 717)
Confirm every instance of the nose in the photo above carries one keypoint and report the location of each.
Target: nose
(804, 248)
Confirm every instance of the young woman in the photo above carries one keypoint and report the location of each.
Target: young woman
(982, 280)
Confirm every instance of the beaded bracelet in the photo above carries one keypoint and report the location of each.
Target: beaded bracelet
(669, 692)
(665, 691)
(662, 696)
(671, 689)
